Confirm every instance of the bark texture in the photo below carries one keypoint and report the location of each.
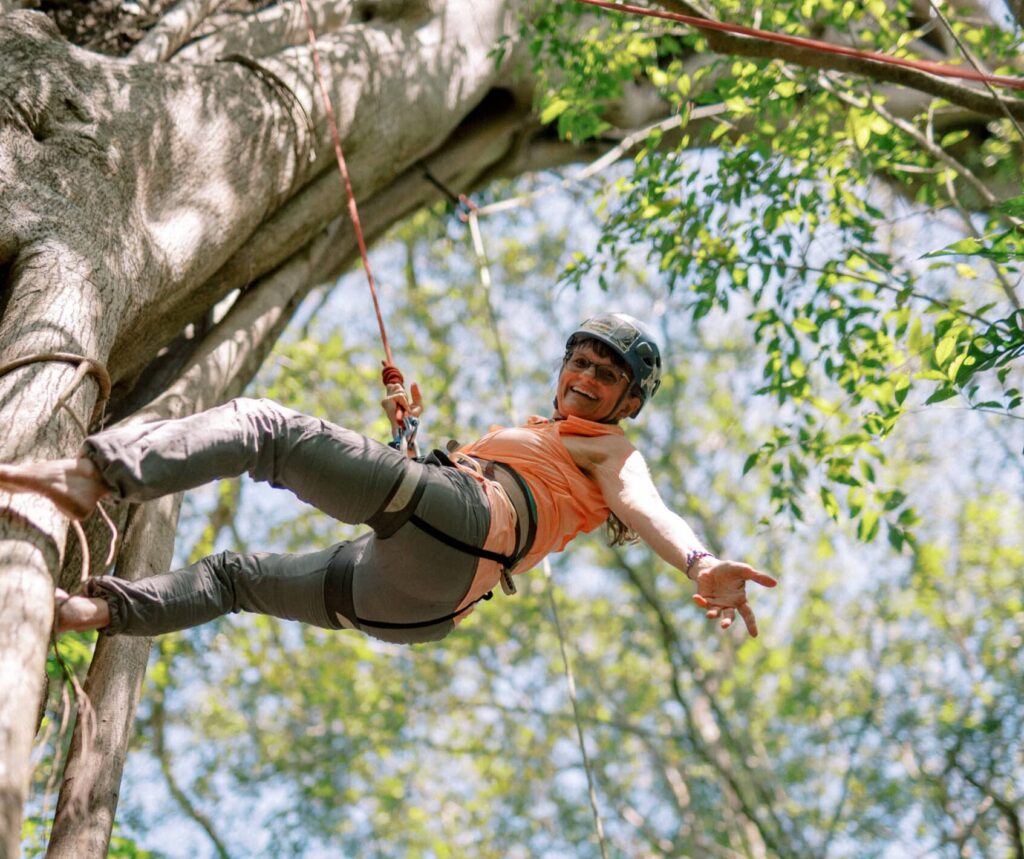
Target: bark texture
(137, 193)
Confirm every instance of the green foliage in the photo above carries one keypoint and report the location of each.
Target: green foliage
(791, 745)
(782, 224)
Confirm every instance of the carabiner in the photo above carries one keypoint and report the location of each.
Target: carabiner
(405, 438)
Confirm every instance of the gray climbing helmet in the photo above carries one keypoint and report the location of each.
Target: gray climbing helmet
(633, 342)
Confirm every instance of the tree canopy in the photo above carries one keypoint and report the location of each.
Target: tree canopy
(830, 249)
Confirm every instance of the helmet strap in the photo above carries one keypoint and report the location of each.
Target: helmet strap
(618, 405)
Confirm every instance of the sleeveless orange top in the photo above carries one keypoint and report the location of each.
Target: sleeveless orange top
(568, 502)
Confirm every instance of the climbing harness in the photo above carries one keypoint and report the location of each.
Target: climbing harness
(405, 439)
(934, 68)
(399, 508)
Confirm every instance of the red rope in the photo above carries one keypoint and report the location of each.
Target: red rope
(390, 372)
(940, 69)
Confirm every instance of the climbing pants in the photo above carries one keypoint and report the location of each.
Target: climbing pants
(406, 577)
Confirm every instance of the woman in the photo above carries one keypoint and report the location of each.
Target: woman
(441, 537)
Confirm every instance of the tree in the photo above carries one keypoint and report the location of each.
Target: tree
(155, 205)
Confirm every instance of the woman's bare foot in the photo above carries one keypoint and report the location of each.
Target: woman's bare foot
(79, 613)
(74, 485)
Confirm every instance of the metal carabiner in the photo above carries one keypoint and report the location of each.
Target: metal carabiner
(405, 438)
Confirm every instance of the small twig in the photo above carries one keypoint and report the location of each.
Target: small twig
(970, 58)
(610, 157)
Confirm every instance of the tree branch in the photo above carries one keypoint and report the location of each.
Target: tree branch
(172, 30)
(720, 758)
(91, 784)
(980, 102)
(157, 720)
(269, 31)
(1016, 8)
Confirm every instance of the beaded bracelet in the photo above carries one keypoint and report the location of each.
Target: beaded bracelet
(693, 556)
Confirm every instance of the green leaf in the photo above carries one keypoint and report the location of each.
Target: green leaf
(829, 502)
(867, 527)
(944, 392)
(553, 110)
(944, 351)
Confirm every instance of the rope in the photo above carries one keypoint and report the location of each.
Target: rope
(353, 210)
(940, 69)
(86, 367)
(469, 212)
(78, 789)
(571, 681)
(405, 440)
(492, 317)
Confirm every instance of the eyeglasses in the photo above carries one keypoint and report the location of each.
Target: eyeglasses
(606, 374)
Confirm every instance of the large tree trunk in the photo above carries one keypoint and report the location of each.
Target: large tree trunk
(135, 196)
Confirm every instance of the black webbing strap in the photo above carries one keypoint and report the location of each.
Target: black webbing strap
(387, 521)
(506, 561)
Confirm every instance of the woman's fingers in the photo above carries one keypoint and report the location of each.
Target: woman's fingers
(416, 409)
(724, 594)
(752, 575)
(747, 613)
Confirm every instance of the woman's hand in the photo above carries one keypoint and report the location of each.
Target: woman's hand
(721, 590)
(397, 405)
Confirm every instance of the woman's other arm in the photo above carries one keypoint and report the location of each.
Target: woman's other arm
(621, 472)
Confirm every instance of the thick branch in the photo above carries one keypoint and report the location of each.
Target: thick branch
(269, 31)
(980, 102)
(172, 30)
(92, 777)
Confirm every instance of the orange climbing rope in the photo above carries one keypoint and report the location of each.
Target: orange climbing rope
(390, 374)
(940, 69)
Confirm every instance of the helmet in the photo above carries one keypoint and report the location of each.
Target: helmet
(633, 342)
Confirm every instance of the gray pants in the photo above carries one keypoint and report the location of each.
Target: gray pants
(408, 577)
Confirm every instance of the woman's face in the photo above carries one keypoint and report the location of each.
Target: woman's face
(591, 387)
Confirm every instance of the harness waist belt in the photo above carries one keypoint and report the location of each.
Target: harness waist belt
(399, 508)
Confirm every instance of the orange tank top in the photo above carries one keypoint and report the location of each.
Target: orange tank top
(568, 502)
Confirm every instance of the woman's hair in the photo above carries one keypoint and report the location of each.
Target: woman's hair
(617, 532)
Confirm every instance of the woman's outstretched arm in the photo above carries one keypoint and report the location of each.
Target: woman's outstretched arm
(622, 474)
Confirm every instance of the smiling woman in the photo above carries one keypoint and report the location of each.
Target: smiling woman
(444, 531)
